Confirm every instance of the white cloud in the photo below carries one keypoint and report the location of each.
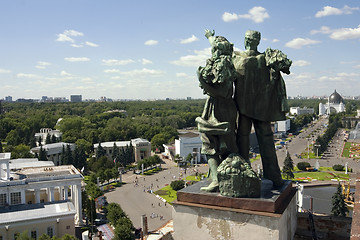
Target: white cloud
(357, 66)
(145, 61)
(77, 45)
(328, 11)
(63, 73)
(300, 42)
(42, 65)
(112, 71)
(300, 63)
(4, 70)
(73, 33)
(339, 77)
(275, 40)
(191, 39)
(77, 59)
(228, 17)
(323, 30)
(339, 34)
(181, 75)
(256, 14)
(91, 44)
(64, 38)
(140, 73)
(151, 42)
(28, 75)
(345, 33)
(194, 60)
(185, 75)
(116, 62)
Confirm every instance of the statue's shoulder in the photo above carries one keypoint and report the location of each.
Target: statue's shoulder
(238, 54)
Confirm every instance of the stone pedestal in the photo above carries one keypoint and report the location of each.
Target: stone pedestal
(201, 215)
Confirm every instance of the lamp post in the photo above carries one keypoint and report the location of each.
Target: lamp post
(308, 147)
(317, 150)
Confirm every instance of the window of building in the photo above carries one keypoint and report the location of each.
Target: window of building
(33, 234)
(50, 231)
(2, 200)
(15, 198)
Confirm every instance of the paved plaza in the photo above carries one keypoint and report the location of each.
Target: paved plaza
(136, 200)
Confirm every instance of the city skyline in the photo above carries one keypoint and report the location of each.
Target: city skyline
(151, 50)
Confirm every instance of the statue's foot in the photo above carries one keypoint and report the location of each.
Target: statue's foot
(278, 182)
(213, 187)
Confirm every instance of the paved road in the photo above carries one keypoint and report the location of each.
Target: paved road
(136, 201)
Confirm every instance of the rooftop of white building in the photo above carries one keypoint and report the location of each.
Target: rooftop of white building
(121, 143)
(25, 212)
(53, 148)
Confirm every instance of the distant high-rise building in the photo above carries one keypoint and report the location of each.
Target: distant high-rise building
(8, 99)
(76, 98)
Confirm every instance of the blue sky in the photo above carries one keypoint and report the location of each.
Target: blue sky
(151, 49)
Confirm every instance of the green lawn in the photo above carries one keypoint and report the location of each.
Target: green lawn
(167, 193)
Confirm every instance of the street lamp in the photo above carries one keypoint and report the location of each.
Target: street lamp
(308, 147)
(317, 150)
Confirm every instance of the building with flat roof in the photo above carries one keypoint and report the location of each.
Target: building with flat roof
(189, 143)
(44, 132)
(39, 198)
(142, 147)
(301, 111)
(53, 151)
(76, 98)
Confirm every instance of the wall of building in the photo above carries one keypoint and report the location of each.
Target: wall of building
(327, 227)
(61, 225)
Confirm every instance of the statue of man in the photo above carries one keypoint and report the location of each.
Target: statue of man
(260, 97)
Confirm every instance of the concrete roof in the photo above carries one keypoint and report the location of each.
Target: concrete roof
(54, 148)
(29, 162)
(32, 212)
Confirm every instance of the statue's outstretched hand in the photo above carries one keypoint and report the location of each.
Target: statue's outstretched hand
(209, 33)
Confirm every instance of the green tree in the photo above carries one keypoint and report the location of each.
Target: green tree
(124, 230)
(189, 157)
(93, 190)
(177, 185)
(100, 151)
(21, 151)
(157, 142)
(48, 139)
(338, 204)
(1, 147)
(88, 204)
(114, 213)
(115, 152)
(288, 167)
(109, 174)
(42, 154)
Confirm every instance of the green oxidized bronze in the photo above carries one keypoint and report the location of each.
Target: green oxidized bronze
(259, 98)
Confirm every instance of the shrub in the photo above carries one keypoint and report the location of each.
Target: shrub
(303, 165)
(338, 167)
(177, 185)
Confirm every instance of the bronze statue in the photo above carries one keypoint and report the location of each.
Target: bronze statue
(260, 97)
(218, 121)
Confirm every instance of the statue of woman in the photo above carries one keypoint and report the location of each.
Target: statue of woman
(218, 121)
